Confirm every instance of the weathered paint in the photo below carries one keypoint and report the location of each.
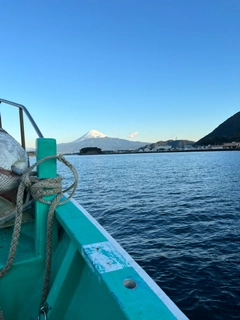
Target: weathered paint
(104, 257)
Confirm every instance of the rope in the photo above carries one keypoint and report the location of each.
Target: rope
(39, 188)
(1, 315)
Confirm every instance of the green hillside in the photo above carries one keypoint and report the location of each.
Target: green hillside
(228, 131)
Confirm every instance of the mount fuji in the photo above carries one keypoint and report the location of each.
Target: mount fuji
(91, 134)
(94, 138)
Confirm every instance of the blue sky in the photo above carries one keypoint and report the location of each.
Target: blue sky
(163, 68)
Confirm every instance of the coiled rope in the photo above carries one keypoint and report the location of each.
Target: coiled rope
(38, 189)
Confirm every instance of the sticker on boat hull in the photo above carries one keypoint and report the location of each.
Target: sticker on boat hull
(104, 257)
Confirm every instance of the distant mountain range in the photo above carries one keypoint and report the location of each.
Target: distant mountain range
(97, 139)
(228, 131)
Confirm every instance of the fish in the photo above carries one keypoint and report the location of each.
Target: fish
(14, 162)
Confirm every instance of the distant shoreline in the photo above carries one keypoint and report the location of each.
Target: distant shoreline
(32, 155)
(148, 152)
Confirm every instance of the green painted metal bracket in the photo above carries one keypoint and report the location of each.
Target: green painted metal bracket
(45, 147)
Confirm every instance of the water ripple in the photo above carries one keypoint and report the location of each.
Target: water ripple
(178, 216)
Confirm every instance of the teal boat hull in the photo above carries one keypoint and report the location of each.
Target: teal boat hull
(92, 276)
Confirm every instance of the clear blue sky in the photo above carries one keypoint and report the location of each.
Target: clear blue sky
(162, 68)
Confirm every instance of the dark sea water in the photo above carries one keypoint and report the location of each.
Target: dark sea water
(178, 215)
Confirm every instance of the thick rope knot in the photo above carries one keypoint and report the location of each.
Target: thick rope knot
(26, 179)
(39, 189)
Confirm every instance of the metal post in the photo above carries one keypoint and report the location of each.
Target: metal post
(20, 106)
(0, 118)
(47, 169)
(22, 128)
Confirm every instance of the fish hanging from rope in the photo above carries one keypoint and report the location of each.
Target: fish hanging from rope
(13, 162)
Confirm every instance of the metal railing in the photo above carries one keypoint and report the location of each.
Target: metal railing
(21, 110)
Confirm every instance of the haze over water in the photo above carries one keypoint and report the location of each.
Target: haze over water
(177, 214)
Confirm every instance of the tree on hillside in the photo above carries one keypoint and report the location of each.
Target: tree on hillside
(90, 150)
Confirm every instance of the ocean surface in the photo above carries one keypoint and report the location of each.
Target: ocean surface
(178, 215)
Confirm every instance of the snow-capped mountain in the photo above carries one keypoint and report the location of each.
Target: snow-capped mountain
(95, 138)
(91, 134)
